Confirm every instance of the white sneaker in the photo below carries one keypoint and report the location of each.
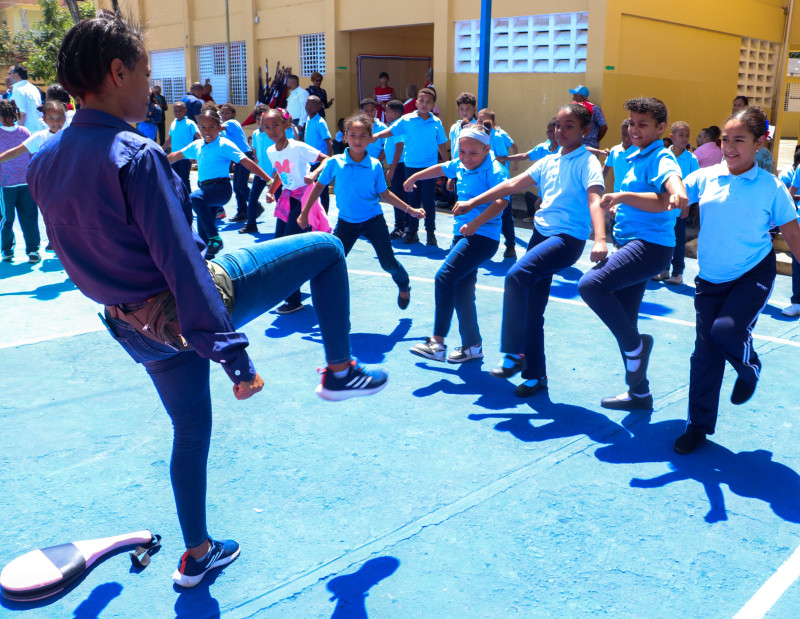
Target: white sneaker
(675, 280)
(792, 310)
(462, 354)
(430, 349)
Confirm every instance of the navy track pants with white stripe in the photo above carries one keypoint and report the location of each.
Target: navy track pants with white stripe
(726, 315)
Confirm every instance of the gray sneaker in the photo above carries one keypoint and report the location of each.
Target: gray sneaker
(430, 349)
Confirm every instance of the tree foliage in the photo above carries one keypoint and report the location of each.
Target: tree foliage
(38, 48)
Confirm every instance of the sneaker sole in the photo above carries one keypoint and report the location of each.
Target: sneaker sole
(425, 356)
(182, 580)
(291, 311)
(463, 359)
(345, 394)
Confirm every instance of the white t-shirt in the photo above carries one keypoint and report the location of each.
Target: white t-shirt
(296, 105)
(37, 140)
(293, 162)
(28, 99)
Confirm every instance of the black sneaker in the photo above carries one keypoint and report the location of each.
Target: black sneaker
(507, 372)
(8, 257)
(49, 248)
(397, 233)
(510, 252)
(432, 240)
(634, 378)
(524, 390)
(191, 571)
(214, 247)
(402, 302)
(690, 440)
(411, 237)
(238, 218)
(34, 257)
(289, 308)
(358, 381)
(249, 229)
(462, 354)
(742, 391)
(628, 402)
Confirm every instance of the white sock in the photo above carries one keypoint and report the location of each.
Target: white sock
(531, 382)
(633, 364)
(341, 373)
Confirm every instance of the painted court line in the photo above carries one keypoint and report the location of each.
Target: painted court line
(771, 591)
(674, 321)
(48, 338)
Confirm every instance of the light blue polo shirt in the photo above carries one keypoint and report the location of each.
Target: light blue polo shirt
(234, 132)
(471, 183)
(687, 161)
(795, 177)
(317, 132)
(390, 145)
(736, 214)
(617, 160)
(358, 186)
(455, 133)
(541, 150)
(261, 142)
(563, 181)
(213, 159)
(422, 138)
(788, 176)
(648, 170)
(375, 149)
(182, 133)
(500, 142)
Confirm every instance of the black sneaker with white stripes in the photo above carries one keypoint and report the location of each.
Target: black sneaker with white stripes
(357, 382)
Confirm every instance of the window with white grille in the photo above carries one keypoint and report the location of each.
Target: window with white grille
(792, 100)
(758, 61)
(168, 70)
(554, 43)
(312, 54)
(211, 65)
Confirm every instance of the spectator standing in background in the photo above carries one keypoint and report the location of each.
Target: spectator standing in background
(598, 128)
(316, 90)
(193, 101)
(28, 99)
(161, 102)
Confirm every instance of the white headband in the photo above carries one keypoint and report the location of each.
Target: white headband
(475, 132)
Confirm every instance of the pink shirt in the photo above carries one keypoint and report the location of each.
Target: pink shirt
(708, 154)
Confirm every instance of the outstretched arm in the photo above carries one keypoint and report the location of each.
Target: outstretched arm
(791, 234)
(503, 190)
(177, 156)
(313, 196)
(13, 153)
(432, 172)
(388, 196)
(599, 248)
(492, 211)
(255, 169)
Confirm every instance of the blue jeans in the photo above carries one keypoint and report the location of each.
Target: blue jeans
(527, 290)
(204, 201)
(614, 289)
(261, 275)
(678, 256)
(455, 286)
(240, 187)
(17, 200)
(726, 315)
(423, 195)
(376, 232)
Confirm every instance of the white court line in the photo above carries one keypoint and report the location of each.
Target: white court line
(674, 321)
(771, 591)
(48, 338)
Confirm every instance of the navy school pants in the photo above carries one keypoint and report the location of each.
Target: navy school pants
(614, 289)
(527, 289)
(726, 315)
(205, 202)
(400, 216)
(422, 196)
(240, 187)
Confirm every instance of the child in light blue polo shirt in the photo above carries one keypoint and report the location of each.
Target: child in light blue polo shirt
(359, 187)
(425, 140)
(261, 142)
(396, 174)
(182, 132)
(617, 159)
(466, 104)
(319, 138)
(214, 155)
(680, 134)
(369, 107)
(739, 203)
(476, 236)
(652, 197)
(232, 130)
(570, 183)
(502, 146)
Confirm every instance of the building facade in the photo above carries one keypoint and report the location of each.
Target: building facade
(696, 56)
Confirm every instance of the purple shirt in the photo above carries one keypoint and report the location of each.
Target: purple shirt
(115, 213)
(13, 172)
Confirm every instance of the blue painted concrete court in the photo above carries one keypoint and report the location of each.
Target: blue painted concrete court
(443, 496)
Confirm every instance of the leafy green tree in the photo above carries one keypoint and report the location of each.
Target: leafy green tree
(38, 47)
